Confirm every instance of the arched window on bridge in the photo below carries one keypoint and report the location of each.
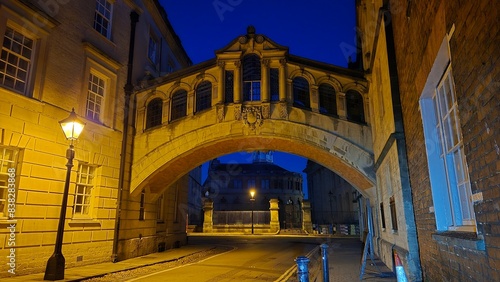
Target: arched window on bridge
(354, 105)
(327, 100)
(179, 105)
(301, 93)
(251, 78)
(154, 113)
(203, 96)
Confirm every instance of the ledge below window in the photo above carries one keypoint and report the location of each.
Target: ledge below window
(468, 240)
(83, 222)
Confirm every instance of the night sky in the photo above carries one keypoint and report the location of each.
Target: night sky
(322, 30)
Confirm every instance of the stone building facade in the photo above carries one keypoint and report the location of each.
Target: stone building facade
(55, 56)
(333, 200)
(229, 186)
(445, 56)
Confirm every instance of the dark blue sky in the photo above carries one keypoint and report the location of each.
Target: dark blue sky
(322, 30)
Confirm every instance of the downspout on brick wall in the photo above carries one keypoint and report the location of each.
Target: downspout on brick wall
(134, 18)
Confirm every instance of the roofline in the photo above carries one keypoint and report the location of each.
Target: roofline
(180, 73)
(327, 66)
(163, 14)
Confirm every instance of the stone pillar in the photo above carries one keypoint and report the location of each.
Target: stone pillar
(341, 106)
(314, 98)
(220, 84)
(264, 78)
(275, 220)
(237, 82)
(306, 216)
(282, 80)
(208, 208)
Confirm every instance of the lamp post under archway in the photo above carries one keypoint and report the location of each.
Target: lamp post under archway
(72, 126)
(252, 200)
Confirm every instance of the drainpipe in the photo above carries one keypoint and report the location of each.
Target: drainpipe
(134, 18)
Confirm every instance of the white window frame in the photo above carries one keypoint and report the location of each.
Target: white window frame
(6, 164)
(101, 4)
(106, 68)
(96, 95)
(14, 14)
(453, 205)
(84, 191)
(12, 58)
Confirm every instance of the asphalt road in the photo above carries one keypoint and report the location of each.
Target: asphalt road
(252, 258)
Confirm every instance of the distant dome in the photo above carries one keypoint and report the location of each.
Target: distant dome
(262, 157)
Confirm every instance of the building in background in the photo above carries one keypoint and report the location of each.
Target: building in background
(229, 186)
(334, 202)
(59, 55)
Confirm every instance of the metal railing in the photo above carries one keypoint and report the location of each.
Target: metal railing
(241, 217)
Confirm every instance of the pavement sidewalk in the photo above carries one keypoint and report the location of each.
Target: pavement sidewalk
(344, 260)
(93, 270)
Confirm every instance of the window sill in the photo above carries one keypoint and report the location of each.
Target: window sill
(78, 222)
(468, 240)
(7, 222)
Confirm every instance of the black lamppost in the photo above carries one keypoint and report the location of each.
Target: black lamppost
(252, 199)
(72, 126)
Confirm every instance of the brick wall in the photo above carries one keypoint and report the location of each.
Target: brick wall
(418, 33)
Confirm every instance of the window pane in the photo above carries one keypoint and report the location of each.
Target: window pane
(96, 90)
(15, 60)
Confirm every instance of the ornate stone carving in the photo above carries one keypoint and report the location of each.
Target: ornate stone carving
(252, 117)
(266, 62)
(283, 111)
(243, 39)
(237, 111)
(266, 110)
(282, 62)
(221, 64)
(220, 113)
(259, 38)
(237, 64)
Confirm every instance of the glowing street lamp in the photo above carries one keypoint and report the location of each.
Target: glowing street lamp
(72, 126)
(252, 199)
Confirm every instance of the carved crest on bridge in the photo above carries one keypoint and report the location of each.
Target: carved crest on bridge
(252, 117)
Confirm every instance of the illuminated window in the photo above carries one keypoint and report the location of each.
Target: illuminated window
(8, 158)
(102, 17)
(16, 60)
(251, 78)
(95, 96)
(203, 96)
(154, 113)
(83, 193)
(301, 93)
(327, 99)
(179, 105)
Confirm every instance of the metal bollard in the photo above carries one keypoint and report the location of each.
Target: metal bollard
(324, 253)
(302, 269)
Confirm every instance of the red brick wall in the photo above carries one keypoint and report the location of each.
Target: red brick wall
(475, 50)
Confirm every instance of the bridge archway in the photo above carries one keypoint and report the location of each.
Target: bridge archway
(165, 154)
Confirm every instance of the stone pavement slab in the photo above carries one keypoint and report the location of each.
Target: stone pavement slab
(88, 271)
